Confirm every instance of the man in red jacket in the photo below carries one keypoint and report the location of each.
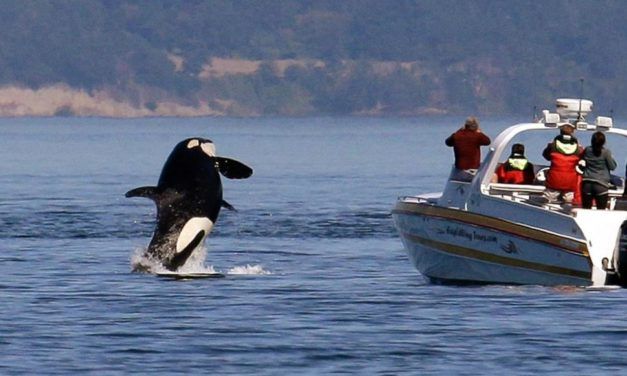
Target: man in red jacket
(564, 153)
(466, 144)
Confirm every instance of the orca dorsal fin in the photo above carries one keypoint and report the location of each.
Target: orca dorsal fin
(228, 206)
(233, 169)
(147, 192)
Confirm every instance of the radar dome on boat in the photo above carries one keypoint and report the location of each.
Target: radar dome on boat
(572, 108)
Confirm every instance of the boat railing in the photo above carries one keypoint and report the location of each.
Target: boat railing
(525, 188)
(533, 195)
(529, 194)
(525, 193)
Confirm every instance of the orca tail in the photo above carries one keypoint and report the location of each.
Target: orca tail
(147, 192)
(226, 205)
(233, 169)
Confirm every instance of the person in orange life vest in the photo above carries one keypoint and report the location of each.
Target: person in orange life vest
(564, 152)
(466, 144)
(517, 169)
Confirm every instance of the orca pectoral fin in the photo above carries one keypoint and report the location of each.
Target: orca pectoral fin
(148, 192)
(179, 259)
(226, 205)
(233, 169)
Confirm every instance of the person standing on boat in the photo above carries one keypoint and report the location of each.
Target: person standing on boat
(466, 144)
(564, 152)
(517, 169)
(597, 162)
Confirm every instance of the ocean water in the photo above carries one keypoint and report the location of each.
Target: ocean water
(316, 283)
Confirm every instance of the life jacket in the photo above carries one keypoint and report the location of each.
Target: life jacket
(562, 175)
(517, 170)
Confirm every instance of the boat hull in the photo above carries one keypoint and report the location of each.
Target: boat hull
(453, 245)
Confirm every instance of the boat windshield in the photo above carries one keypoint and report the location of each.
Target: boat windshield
(535, 138)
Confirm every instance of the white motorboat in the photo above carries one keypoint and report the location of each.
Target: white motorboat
(480, 231)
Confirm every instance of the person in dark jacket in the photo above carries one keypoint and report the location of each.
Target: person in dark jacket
(517, 169)
(466, 144)
(564, 153)
(597, 162)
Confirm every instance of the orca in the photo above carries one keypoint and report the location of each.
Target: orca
(188, 197)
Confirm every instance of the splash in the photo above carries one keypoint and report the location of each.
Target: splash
(248, 270)
(195, 264)
(140, 262)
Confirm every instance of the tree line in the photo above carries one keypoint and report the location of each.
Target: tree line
(479, 56)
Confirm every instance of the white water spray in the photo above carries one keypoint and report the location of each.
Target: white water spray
(194, 264)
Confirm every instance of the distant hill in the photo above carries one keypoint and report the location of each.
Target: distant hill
(318, 57)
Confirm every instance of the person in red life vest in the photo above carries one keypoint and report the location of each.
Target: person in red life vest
(517, 169)
(564, 152)
(466, 144)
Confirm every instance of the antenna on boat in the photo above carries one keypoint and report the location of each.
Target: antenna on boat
(579, 117)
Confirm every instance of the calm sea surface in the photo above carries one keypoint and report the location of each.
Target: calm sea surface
(317, 280)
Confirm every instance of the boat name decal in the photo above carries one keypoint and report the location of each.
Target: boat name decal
(474, 235)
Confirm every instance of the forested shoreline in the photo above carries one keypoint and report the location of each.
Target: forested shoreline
(301, 58)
